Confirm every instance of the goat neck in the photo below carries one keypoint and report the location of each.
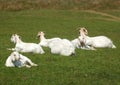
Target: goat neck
(42, 37)
(18, 40)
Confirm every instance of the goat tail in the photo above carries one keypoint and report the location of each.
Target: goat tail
(113, 46)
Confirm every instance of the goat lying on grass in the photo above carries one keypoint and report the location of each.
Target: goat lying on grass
(91, 42)
(45, 42)
(76, 43)
(18, 60)
(25, 47)
(57, 45)
(63, 47)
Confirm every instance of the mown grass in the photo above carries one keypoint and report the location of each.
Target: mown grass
(101, 67)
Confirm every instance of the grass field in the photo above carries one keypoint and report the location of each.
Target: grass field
(100, 67)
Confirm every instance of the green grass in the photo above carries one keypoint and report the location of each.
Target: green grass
(101, 67)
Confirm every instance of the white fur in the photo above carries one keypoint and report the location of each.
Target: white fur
(45, 42)
(69, 49)
(16, 57)
(25, 47)
(58, 46)
(98, 41)
(63, 47)
(76, 43)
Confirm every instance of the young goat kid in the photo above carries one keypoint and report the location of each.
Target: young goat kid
(91, 42)
(18, 60)
(25, 47)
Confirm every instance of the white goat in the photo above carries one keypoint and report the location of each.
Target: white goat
(18, 60)
(45, 42)
(76, 43)
(58, 46)
(25, 47)
(98, 41)
(63, 47)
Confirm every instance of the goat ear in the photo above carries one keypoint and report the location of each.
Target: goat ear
(86, 32)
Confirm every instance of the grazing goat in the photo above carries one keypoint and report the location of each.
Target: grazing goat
(25, 47)
(58, 46)
(18, 60)
(91, 42)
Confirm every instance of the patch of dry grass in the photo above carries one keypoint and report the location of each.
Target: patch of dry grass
(17, 5)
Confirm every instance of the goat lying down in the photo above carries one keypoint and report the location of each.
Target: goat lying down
(63, 47)
(25, 47)
(76, 43)
(18, 60)
(98, 41)
(57, 45)
(45, 42)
